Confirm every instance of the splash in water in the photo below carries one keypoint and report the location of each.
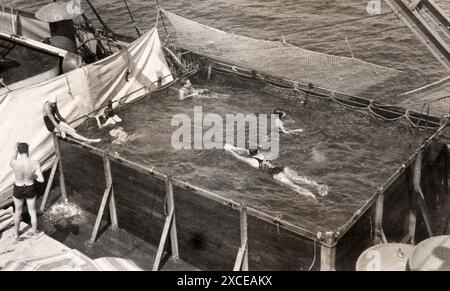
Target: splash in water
(65, 213)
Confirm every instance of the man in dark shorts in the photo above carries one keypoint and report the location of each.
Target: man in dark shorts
(25, 172)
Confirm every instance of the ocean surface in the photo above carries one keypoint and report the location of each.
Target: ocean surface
(319, 25)
(350, 152)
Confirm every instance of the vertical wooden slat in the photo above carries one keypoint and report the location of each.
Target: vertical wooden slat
(244, 237)
(419, 194)
(327, 258)
(163, 241)
(62, 180)
(379, 210)
(100, 214)
(48, 187)
(112, 200)
(173, 228)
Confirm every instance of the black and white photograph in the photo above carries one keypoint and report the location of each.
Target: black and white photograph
(224, 135)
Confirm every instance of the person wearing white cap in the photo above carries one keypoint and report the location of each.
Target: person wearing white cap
(55, 123)
(188, 90)
(284, 175)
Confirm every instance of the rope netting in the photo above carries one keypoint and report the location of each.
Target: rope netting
(339, 74)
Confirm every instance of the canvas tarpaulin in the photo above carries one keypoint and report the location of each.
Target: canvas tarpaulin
(23, 24)
(131, 72)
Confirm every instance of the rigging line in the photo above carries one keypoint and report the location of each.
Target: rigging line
(102, 22)
(162, 18)
(132, 18)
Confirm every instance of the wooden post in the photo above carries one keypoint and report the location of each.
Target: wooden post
(100, 214)
(327, 258)
(173, 228)
(56, 162)
(380, 237)
(112, 200)
(163, 241)
(419, 194)
(241, 263)
(412, 219)
(169, 226)
(49, 184)
(244, 237)
(108, 194)
(62, 180)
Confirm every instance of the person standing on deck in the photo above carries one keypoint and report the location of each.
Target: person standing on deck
(55, 123)
(25, 172)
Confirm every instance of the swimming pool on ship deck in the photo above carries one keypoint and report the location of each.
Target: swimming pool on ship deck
(350, 151)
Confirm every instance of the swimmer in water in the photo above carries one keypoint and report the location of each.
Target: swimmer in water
(283, 175)
(109, 117)
(188, 90)
(280, 124)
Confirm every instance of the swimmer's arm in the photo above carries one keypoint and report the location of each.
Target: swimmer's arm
(249, 161)
(240, 151)
(300, 130)
(39, 175)
(182, 96)
(283, 129)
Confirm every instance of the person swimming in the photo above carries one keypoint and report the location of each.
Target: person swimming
(188, 90)
(280, 124)
(283, 175)
(109, 117)
(55, 123)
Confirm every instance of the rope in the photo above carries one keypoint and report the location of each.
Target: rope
(162, 18)
(368, 108)
(132, 19)
(68, 85)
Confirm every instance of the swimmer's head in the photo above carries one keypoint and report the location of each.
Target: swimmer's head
(22, 148)
(281, 114)
(186, 82)
(254, 153)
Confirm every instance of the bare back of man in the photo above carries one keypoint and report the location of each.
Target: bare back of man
(26, 171)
